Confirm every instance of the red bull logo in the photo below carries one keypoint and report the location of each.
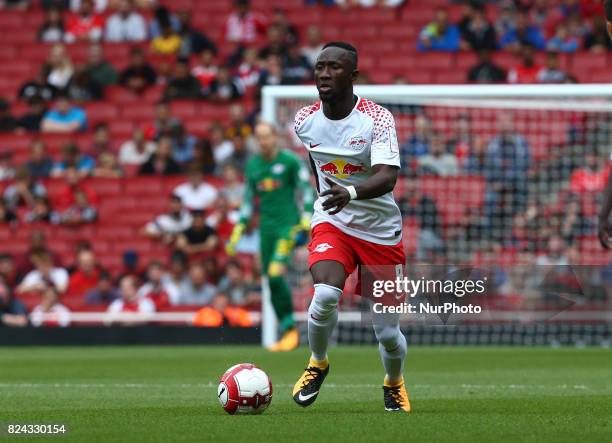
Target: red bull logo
(357, 143)
(341, 168)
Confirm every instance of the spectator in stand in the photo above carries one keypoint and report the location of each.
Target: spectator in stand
(37, 244)
(52, 29)
(369, 3)
(98, 5)
(249, 71)
(220, 313)
(238, 124)
(203, 158)
(23, 191)
(239, 285)
(138, 75)
(37, 87)
(574, 222)
(551, 72)
(44, 274)
(197, 290)
(82, 88)
(477, 33)
(598, 40)
(101, 141)
(86, 275)
(137, 150)
(107, 166)
(233, 187)
(206, 71)
(168, 42)
(154, 289)
(183, 144)
(276, 44)
(592, 177)
(424, 209)
(523, 33)
(222, 148)
(176, 277)
(486, 71)
(199, 238)
(192, 40)
(418, 143)
(8, 270)
(314, 44)
(64, 117)
(475, 162)
(31, 121)
(182, 85)
(562, 41)
(18, 5)
(126, 24)
(507, 163)
(166, 227)
(555, 255)
(196, 194)
(271, 75)
(296, 68)
(161, 161)
(280, 19)
(162, 16)
(67, 197)
(8, 122)
(72, 158)
(7, 215)
(461, 138)
(86, 25)
(438, 161)
(50, 312)
(39, 163)
(528, 71)
(129, 303)
(243, 26)
(41, 212)
(100, 70)
(81, 212)
(58, 68)
(12, 311)
(225, 87)
(104, 293)
(7, 169)
(164, 121)
(223, 218)
(440, 34)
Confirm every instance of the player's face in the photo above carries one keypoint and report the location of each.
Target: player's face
(266, 138)
(334, 73)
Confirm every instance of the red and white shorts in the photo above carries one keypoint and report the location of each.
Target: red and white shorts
(330, 243)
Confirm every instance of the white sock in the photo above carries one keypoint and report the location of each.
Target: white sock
(393, 347)
(322, 318)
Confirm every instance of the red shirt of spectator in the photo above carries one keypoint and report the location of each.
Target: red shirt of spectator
(590, 178)
(85, 277)
(527, 71)
(243, 26)
(84, 25)
(66, 198)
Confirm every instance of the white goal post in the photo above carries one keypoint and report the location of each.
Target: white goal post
(587, 98)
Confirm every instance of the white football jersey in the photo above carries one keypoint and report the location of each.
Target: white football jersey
(345, 152)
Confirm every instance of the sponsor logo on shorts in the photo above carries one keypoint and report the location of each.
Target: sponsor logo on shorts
(322, 247)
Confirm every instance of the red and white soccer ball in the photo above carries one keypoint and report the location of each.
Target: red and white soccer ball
(245, 389)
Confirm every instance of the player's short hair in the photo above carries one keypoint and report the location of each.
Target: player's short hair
(608, 9)
(347, 47)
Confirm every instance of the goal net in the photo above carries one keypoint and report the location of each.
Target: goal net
(491, 175)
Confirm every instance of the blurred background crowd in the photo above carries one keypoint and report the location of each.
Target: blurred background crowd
(125, 127)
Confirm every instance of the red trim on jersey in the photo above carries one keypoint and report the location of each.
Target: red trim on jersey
(305, 112)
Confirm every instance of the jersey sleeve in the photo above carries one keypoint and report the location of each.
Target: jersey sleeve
(301, 117)
(305, 191)
(385, 148)
(246, 208)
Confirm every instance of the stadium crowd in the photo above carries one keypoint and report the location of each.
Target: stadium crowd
(179, 61)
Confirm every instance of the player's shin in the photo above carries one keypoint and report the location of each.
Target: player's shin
(322, 319)
(393, 348)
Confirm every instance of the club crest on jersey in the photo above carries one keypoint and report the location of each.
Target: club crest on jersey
(357, 143)
(322, 247)
(268, 185)
(341, 168)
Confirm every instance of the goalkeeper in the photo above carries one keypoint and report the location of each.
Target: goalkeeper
(279, 179)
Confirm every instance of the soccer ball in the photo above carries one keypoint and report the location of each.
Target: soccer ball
(245, 389)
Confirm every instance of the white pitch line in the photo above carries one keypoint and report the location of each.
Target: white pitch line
(210, 385)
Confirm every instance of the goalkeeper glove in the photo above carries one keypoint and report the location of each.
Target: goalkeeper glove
(230, 247)
(301, 230)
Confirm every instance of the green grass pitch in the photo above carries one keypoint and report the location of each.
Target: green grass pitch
(168, 394)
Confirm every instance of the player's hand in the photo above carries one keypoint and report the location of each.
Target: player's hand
(604, 232)
(339, 197)
(230, 247)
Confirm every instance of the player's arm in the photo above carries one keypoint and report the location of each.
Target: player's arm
(604, 230)
(380, 183)
(246, 212)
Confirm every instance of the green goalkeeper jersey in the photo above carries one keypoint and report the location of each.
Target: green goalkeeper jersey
(279, 185)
